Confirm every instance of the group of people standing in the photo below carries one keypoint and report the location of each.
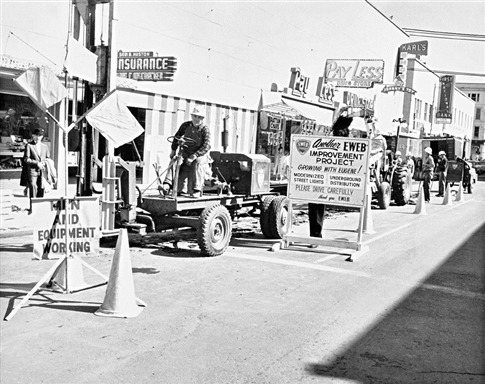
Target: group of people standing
(429, 167)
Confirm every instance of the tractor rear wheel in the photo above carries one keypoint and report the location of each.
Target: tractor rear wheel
(384, 195)
(214, 230)
(401, 185)
(264, 217)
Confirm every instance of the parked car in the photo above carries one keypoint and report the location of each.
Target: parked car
(479, 166)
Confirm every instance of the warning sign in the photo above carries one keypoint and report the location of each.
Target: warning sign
(330, 170)
(51, 222)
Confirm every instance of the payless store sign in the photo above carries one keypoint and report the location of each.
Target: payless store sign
(354, 73)
(145, 66)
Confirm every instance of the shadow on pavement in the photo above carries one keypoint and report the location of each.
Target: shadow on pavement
(17, 248)
(435, 335)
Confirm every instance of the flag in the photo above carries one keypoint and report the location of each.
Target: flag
(112, 118)
(80, 61)
(42, 86)
(82, 8)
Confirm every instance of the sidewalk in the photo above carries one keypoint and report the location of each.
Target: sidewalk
(14, 218)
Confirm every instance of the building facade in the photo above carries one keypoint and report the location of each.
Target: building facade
(476, 92)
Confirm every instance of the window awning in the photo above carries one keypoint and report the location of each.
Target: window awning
(322, 116)
(273, 102)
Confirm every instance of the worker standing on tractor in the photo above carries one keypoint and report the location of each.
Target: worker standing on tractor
(195, 138)
(442, 169)
(428, 168)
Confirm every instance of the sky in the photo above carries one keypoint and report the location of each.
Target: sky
(230, 50)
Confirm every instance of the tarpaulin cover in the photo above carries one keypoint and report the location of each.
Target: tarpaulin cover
(42, 86)
(112, 118)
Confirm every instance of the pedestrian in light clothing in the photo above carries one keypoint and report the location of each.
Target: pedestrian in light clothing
(428, 168)
(195, 155)
(35, 156)
(442, 168)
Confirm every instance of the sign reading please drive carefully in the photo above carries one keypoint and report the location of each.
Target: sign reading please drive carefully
(330, 170)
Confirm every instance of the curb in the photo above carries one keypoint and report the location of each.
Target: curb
(17, 233)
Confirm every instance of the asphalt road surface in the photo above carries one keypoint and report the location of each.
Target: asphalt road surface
(411, 310)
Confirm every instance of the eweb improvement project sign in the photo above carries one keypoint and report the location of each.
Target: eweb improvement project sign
(329, 170)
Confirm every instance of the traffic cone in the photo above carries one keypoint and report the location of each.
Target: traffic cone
(459, 197)
(420, 204)
(447, 200)
(367, 224)
(69, 276)
(120, 299)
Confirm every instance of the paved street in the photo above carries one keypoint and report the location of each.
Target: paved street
(412, 310)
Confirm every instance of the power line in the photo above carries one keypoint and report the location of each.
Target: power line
(44, 56)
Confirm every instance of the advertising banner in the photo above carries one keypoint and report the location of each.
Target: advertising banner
(49, 226)
(445, 103)
(330, 170)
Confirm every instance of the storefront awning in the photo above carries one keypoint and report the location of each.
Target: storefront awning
(275, 102)
(322, 116)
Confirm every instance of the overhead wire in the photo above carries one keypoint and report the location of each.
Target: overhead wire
(44, 56)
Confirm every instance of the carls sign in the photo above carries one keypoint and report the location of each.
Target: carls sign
(417, 48)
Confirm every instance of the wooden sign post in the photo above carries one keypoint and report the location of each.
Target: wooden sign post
(332, 171)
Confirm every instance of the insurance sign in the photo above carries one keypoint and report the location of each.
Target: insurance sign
(145, 66)
(329, 170)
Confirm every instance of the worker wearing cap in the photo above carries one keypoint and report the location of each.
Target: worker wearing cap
(442, 168)
(428, 168)
(194, 152)
(397, 158)
(35, 155)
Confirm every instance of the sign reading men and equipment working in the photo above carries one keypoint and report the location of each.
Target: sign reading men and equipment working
(145, 66)
(330, 170)
(51, 224)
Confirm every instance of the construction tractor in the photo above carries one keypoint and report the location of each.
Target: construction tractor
(239, 185)
(390, 179)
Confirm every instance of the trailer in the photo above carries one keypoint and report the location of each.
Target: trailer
(240, 184)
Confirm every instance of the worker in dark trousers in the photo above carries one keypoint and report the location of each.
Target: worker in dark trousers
(316, 212)
(442, 168)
